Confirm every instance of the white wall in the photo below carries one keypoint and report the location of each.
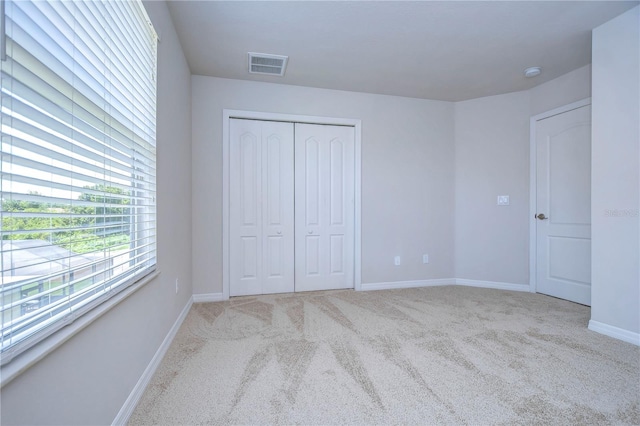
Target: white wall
(615, 288)
(87, 379)
(571, 87)
(414, 169)
(407, 174)
(491, 159)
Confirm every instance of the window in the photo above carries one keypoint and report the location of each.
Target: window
(78, 217)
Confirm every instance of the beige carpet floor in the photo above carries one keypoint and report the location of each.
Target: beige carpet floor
(437, 355)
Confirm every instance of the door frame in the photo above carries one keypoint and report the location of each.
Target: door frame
(533, 258)
(290, 118)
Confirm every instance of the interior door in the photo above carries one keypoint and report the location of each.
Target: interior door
(563, 202)
(261, 207)
(324, 207)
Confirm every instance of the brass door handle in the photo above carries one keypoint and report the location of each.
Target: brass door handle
(541, 216)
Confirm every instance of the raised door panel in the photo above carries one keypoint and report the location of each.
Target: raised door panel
(340, 215)
(569, 175)
(312, 182)
(337, 182)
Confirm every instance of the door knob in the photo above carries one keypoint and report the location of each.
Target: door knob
(310, 232)
(279, 232)
(541, 216)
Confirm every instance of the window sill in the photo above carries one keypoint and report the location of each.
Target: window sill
(40, 350)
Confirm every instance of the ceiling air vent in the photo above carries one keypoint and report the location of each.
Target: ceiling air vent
(263, 63)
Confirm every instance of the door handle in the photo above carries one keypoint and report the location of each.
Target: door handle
(541, 216)
(310, 232)
(279, 232)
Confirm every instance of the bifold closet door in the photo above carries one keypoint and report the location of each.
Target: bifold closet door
(324, 207)
(261, 207)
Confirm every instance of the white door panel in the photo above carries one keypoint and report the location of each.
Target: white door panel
(278, 215)
(245, 226)
(261, 207)
(563, 195)
(324, 188)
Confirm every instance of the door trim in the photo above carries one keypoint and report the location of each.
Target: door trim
(533, 258)
(292, 118)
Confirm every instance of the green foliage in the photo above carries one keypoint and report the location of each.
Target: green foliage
(85, 243)
(95, 225)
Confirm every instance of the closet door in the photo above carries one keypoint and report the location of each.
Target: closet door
(324, 203)
(261, 207)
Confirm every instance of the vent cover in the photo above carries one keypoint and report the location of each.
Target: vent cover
(263, 63)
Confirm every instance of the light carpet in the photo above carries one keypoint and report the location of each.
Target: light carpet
(436, 355)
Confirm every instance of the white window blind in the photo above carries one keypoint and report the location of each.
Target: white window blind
(78, 160)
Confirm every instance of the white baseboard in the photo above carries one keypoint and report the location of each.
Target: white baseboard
(208, 297)
(615, 332)
(134, 397)
(493, 284)
(444, 281)
(406, 284)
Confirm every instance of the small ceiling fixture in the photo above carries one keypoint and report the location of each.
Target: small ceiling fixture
(264, 63)
(532, 72)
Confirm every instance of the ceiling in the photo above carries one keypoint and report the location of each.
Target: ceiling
(445, 50)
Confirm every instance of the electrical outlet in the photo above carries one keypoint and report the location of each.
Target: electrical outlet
(425, 258)
(177, 286)
(396, 260)
(503, 200)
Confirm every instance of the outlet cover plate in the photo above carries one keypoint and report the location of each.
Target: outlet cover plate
(503, 200)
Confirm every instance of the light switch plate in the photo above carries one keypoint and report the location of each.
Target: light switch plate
(503, 200)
